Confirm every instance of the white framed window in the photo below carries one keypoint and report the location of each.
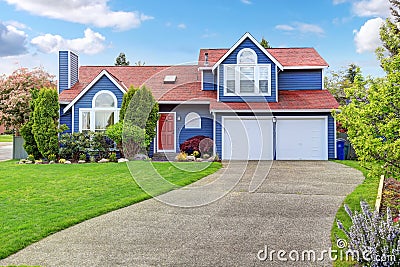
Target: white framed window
(247, 77)
(104, 112)
(193, 121)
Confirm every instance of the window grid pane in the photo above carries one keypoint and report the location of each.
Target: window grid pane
(230, 79)
(103, 119)
(104, 101)
(85, 120)
(247, 79)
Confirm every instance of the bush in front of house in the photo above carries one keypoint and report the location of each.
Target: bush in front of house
(96, 144)
(372, 237)
(200, 143)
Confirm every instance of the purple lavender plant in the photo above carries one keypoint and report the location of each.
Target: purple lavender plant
(375, 239)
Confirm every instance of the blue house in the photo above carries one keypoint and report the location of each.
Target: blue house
(254, 103)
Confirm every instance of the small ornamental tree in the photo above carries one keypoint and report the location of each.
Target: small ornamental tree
(45, 121)
(140, 122)
(15, 95)
(26, 130)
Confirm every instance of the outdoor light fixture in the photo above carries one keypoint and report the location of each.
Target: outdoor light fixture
(273, 119)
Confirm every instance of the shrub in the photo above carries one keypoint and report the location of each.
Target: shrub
(193, 144)
(52, 157)
(82, 156)
(62, 161)
(196, 154)
(372, 237)
(181, 156)
(31, 158)
(113, 157)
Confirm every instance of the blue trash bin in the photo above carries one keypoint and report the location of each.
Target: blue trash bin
(340, 147)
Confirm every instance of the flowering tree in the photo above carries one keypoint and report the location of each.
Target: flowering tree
(15, 95)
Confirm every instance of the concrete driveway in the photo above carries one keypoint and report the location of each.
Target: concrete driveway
(6, 150)
(293, 209)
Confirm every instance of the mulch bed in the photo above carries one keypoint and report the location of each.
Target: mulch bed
(391, 196)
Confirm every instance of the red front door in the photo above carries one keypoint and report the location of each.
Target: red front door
(166, 131)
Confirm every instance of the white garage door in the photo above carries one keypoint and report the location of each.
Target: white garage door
(247, 138)
(301, 139)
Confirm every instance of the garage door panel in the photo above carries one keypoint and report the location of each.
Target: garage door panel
(247, 139)
(301, 139)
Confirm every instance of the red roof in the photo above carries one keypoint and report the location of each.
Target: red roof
(297, 57)
(288, 100)
(287, 57)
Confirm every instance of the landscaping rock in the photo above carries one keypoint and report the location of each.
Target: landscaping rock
(140, 157)
(67, 162)
(103, 161)
(29, 162)
(51, 162)
(121, 160)
(81, 161)
(191, 158)
(199, 160)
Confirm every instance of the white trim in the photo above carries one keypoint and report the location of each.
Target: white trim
(191, 102)
(247, 35)
(223, 118)
(215, 134)
(218, 80)
(271, 110)
(58, 70)
(205, 68)
(90, 85)
(304, 67)
(73, 119)
(323, 79)
(326, 136)
(63, 102)
(81, 110)
(69, 69)
(256, 68)
(174, 150)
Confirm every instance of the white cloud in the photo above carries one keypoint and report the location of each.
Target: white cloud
(12, 40)
(337, 2)
(91, 43)
(284, 27)
(367, 38)
(182, 26)
(301, 27)
(247, 2)
(93, 12)
(372, 8)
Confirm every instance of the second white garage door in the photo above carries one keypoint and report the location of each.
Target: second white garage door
(247, 138)
(301, 138)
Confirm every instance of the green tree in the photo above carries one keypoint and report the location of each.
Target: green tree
(138, 121)
(45, 121)
(30, 145)
(140, 63)
(121, 60)
(338, 81)
(265, 43)
(390, 32)
(372, 119)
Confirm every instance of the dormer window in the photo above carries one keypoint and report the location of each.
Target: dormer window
(247, 77)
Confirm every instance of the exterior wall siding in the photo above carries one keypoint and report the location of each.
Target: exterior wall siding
(300, 80)
(331, 129)
(262, 59)
(62, 71)
(74, 68)
(209, 81)
(182, 134)
(66, 118)
(86, 100)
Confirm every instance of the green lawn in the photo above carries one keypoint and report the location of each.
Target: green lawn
(38, 200)
(6, 138)
(366, 191)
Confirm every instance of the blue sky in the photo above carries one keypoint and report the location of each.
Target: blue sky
(172, 32)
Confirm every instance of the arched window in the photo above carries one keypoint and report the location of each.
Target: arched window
(104, 112)
(193, 121)
(247, 56)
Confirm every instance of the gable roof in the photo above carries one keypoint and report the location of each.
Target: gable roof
(289, 100)
(298, 57)
(117, 83)
(244, 37)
